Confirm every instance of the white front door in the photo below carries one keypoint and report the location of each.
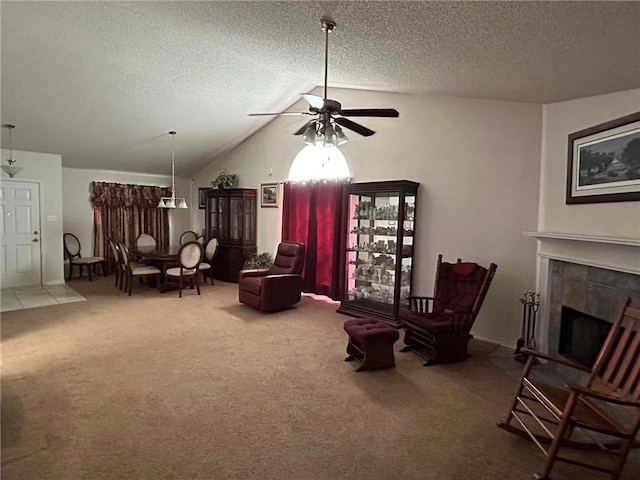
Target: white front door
(20, 234)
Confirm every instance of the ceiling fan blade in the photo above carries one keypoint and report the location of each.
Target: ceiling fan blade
(303, 128)
(280, 113)
(313, 100)
(356, 127)
(370, 112)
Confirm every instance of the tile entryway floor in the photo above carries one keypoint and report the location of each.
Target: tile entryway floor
(37, 296)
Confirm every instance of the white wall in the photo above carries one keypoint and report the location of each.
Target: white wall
(78, 213)
(46, 170)
(478, 164)
(614, 219)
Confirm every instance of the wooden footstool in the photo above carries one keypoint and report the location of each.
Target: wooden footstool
(370, 343)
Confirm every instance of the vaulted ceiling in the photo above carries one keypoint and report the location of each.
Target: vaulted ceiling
(103, 82)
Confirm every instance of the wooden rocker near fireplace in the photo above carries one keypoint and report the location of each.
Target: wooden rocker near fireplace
(602, 414)
(437, 328)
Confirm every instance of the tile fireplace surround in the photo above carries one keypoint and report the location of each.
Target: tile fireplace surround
(587, 273)
(595, 291)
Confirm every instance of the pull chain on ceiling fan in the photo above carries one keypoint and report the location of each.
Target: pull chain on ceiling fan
(326, 128)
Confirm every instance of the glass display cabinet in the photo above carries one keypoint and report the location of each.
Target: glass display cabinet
(230, 216)
(378, 248)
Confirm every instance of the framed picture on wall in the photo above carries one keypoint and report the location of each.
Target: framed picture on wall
(604, 162)
(269, 195)
(202, 197)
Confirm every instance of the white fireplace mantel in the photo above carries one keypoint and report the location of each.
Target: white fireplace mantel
(622, 254)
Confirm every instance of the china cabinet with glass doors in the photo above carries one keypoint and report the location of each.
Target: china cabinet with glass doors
(378, 248)
(230, 216)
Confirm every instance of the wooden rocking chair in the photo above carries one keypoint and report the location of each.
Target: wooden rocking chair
(437, 328)
(603, 415)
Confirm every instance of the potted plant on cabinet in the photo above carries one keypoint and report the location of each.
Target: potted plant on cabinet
(224, 180)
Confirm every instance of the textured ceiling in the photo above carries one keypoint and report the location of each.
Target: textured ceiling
(103, 82)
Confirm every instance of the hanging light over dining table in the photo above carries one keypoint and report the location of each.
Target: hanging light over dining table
(172, 201)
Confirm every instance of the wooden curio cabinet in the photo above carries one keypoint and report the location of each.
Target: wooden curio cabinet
(378, 248)
(231, 218)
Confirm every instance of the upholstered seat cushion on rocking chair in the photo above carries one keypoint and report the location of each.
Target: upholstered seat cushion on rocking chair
(433, 322)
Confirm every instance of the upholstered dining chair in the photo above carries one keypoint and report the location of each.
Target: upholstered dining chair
(189, 258)
(278, 287)
(117, 263)
(437, 328)
(133, 270)
(72, 249)
(207, 263)
(145, 240)
(188, 236)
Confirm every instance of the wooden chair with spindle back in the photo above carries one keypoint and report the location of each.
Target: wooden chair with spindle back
(602, 414)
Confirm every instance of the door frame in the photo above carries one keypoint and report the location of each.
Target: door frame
(37, 226)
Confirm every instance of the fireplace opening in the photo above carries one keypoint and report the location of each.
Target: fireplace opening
(581, 336)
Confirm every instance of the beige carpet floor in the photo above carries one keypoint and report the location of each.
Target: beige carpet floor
(156, 387)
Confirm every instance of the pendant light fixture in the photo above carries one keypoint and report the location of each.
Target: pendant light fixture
(10, 169)
(172, 201)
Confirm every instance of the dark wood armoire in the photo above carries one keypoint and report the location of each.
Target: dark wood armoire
(231, 218)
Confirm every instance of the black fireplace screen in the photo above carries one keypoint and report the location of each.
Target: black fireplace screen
(581, 336)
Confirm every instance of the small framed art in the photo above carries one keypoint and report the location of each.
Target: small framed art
(202, 197)
(269, 195)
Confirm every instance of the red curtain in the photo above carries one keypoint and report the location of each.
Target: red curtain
(312, 213)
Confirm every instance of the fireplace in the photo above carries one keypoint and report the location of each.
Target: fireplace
(583, 302)
(581, 336)
(589, 274)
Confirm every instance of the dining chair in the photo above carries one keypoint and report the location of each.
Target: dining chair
(145, 240)
(200, 239)
(120, 267)
(207, 264)
(188, 236)
(72, 249)
(135, 269)
(189, 258)
(115, 253)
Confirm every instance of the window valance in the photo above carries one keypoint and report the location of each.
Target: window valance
(112, 195)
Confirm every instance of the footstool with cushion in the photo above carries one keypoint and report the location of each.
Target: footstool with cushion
(370, 343)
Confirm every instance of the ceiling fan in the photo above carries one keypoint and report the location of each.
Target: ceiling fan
(330, 116)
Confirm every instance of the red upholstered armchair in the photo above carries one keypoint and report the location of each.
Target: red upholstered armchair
(437, 328)
(278, 287)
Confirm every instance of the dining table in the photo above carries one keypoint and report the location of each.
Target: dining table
(160, 256)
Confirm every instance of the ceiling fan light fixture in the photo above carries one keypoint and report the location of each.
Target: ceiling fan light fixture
(342, 138)
(329, 112)
(319, 162)
(330, 135)
(309, 135)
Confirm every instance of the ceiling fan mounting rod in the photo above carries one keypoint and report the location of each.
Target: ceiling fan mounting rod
(327, 25)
